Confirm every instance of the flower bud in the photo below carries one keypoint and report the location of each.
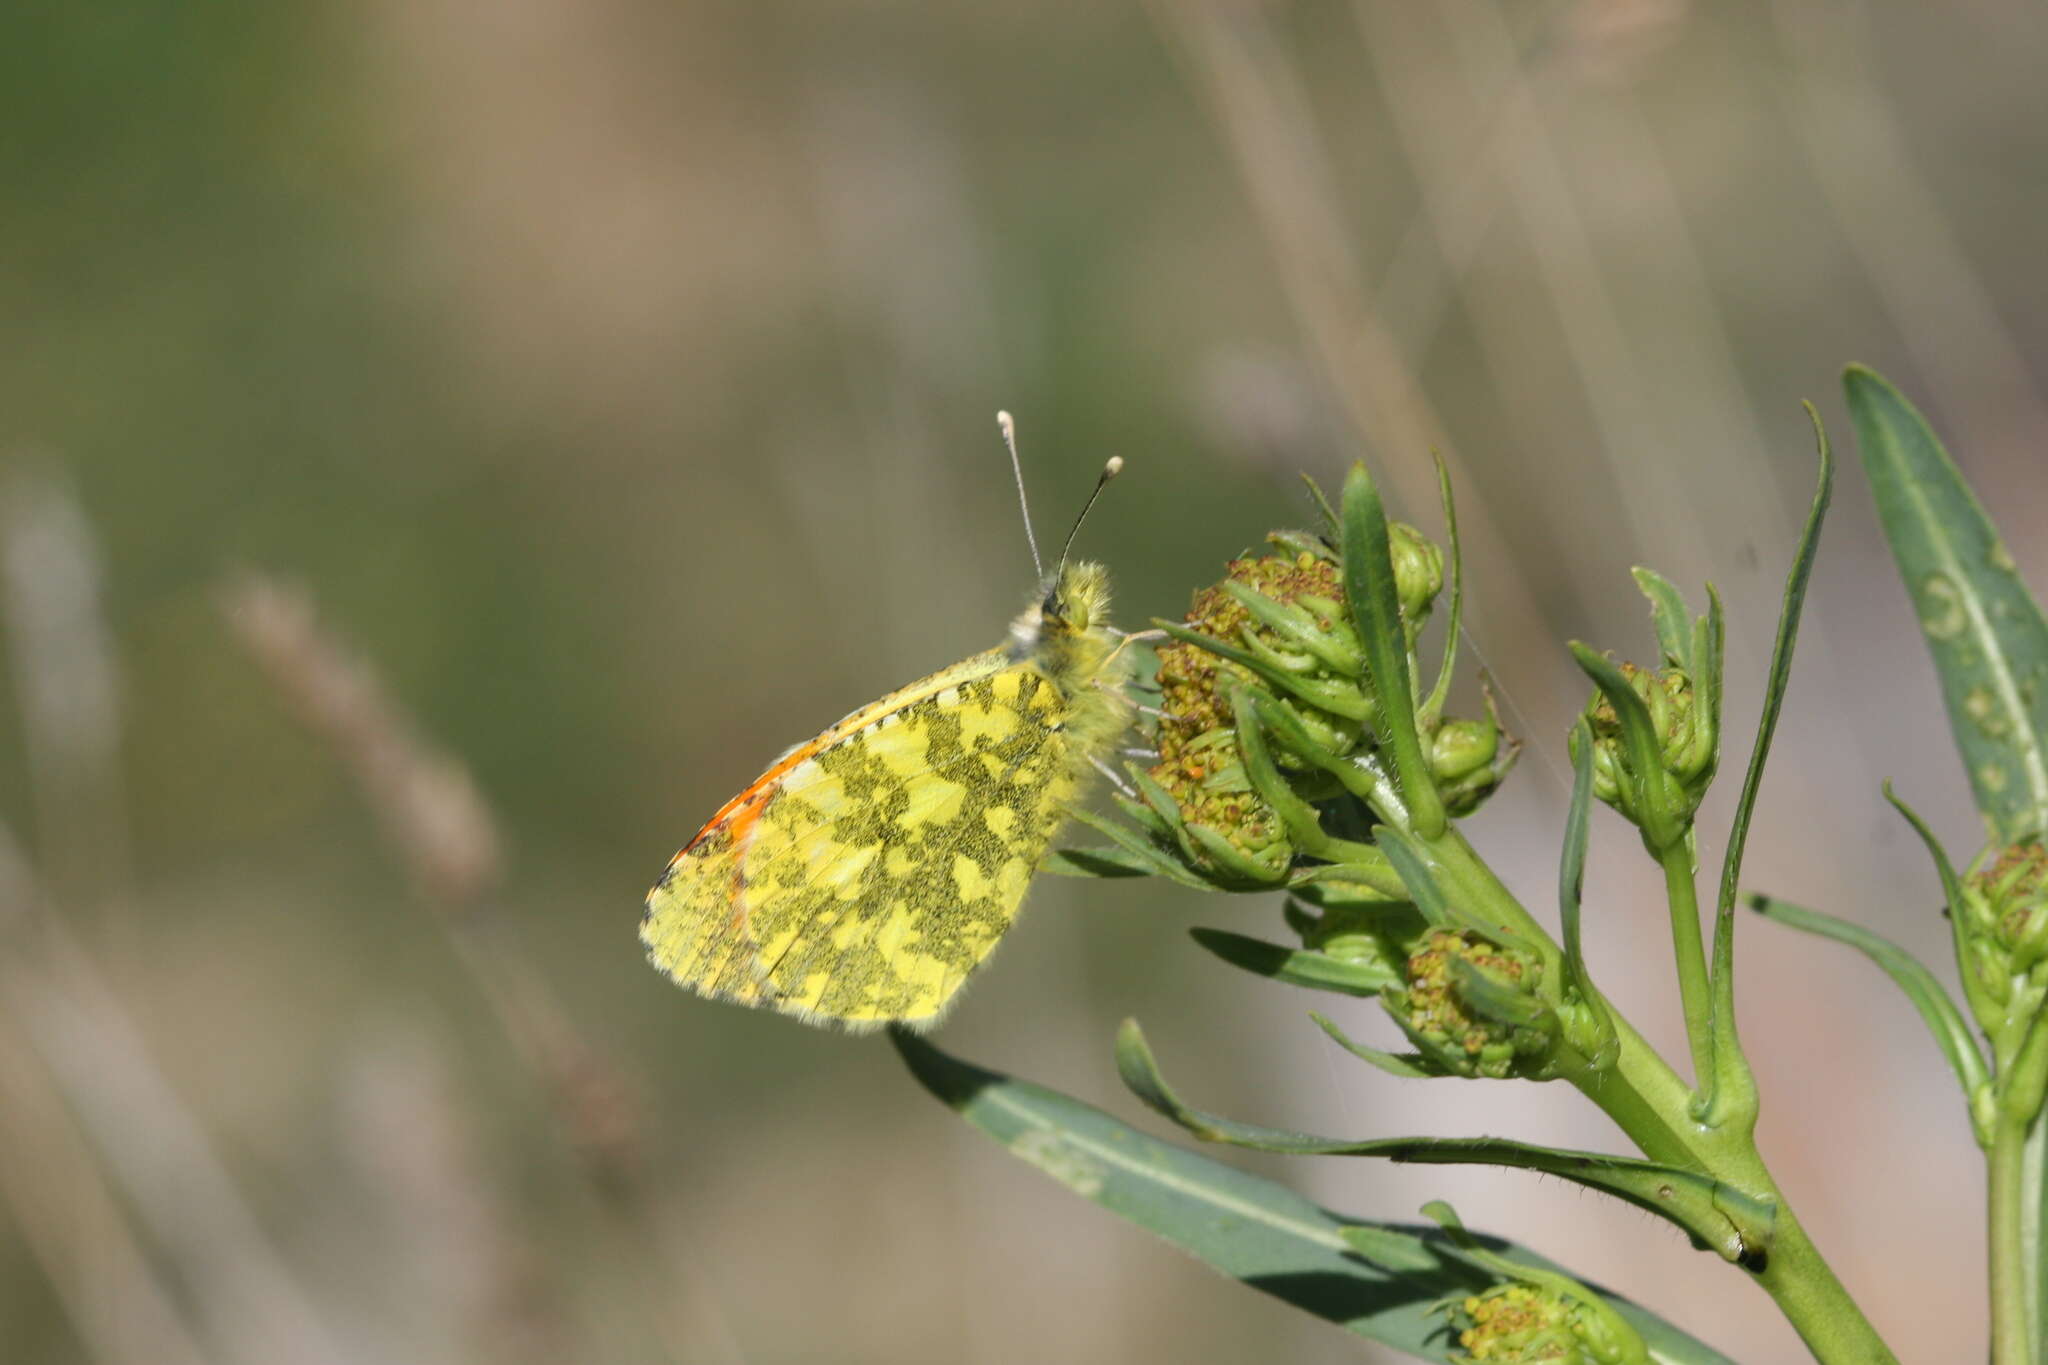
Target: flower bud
(1439, 1015)
(1304, 633)
(1418, 573)
(1688, 741)
(1371, 934)
(1466, 760)
(1524, 1323)
(2005, 908)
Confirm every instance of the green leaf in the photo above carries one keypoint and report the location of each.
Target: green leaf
(1288, 731)
(1944, 1018)
(1661, 828)
(1990, 646)
(1670, 615)
(1454, 620)
(1986, 632)
(1316, 971)
(1496, 1001)
(1716, 1215)
(1304, 827)
(1341, 701)
(1385, 1286)
(1139, 851)
(1416, 878)
(1315, 490)
(1412, 861)
(1731, 1094)
(1097, 862)
(1409, 1066)
(1376, 610)
(1985, 1005)
(1571, 870)
(1296, 627)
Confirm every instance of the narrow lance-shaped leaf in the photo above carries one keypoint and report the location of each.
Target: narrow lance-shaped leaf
(1990, 645)
(1415, 875)
(1342, 701)
(1731, 1087)
(1316, 971)
(1097, 862)
(1716, 1215)
(1653, 799)
(1943, 1017)
(1387, 1286)
(1137, 852)
(1454, 619)
(1376, 609)
(1669, 614)
(1571, 870)
(1986, 632)
(1304, 826)
(1985, 1006)
(1409, 1066)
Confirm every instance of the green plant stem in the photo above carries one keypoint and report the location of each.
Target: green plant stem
(1652, 1104)
(1695, 992)
(1645, 1098)
(2033, 1214)
(2012, 1338)
(1466, 878)
(1803, 1285)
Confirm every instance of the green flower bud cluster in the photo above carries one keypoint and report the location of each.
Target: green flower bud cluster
(2005, 906)
(1687, 728)
(1279, 626)
(2002, 932)
(1475, 1009)
(1521, 1324)
(1200, 764)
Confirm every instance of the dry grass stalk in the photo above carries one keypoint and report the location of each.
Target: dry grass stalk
(74, 1226)
(1262, 114)
(457, 1243)
(443, 829)
(67, 684)
(250, 1305)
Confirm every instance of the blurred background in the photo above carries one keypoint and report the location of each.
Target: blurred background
(446, 449)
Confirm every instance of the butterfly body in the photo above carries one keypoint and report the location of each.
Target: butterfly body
(867, 873)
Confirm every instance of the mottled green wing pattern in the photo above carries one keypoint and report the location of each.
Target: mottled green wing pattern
(885, 861)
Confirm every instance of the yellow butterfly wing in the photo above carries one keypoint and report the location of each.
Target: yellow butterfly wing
(868, 873)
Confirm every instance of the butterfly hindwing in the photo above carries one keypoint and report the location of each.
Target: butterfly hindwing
(868, 873)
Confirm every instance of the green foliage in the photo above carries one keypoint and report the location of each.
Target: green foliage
(1984, 629)
(1386, 1282)
(1350, 790)
(1989, 641)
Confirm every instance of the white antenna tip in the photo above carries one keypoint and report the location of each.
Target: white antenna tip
(1114, 467)
(1008, 424)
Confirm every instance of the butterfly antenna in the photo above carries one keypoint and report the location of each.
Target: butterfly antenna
(1009, 426)
(1109, 471)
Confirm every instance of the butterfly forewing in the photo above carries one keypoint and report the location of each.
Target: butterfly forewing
(866, 875)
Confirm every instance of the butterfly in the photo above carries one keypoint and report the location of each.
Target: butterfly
(870, 871)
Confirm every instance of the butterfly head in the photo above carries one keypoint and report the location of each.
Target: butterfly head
(1073, 606)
